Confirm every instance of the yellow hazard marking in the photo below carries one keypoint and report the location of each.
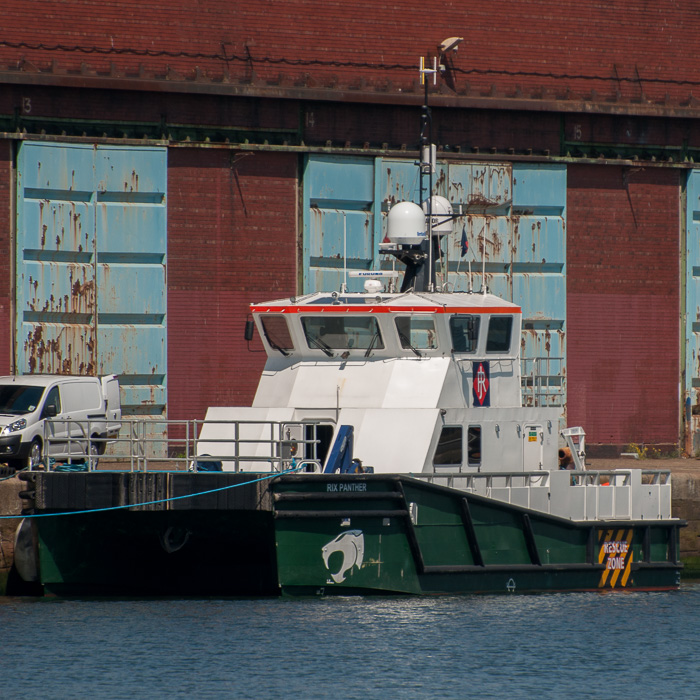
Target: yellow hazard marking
(616, 555)
(628, 569)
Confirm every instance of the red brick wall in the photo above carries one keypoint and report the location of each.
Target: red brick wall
(6, 268)
(623, 303)
(232, 221)
(622, 49)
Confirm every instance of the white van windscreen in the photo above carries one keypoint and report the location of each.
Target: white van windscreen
(16, 399)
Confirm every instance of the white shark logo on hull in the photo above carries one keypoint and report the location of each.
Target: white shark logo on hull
(352, 546)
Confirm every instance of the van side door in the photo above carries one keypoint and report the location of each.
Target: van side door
(55, 429)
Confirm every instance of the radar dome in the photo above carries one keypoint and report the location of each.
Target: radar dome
(373, 286)
(406, 224)
(441, 215)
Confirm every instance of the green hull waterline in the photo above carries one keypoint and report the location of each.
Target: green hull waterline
(352, 535)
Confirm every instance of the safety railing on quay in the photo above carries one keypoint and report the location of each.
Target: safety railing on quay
(147, 444)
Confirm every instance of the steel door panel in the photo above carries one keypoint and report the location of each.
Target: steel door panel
(55, 288)
(481, 187)
(692, 294)
(67, 169)
(65, 228)
(142, 230)
(123, 348)
(146, 298)
(57, 291)
(131, 231)
(338, 220)
(513, 219)
(91, 253)
(58, 348)
(131, 171)
(540, 294)
(355, 239)
(539, 271)
(399, 181)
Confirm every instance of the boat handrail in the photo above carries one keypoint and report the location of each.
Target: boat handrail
(145, 444)
(605, 494)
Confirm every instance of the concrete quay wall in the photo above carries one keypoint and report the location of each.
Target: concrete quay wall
(9, 505)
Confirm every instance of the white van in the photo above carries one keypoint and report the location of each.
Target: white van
(84, 413)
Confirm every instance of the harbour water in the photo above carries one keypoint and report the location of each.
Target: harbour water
(576, 645)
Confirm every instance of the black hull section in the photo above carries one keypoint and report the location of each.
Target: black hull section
(159, 554)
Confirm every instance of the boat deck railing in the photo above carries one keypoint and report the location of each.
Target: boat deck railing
(543, 381)
(277, 446)
(618, 494)
(148, 445)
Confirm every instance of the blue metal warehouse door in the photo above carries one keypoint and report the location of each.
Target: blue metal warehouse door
(338, 221)
(91, 255)
(539, 275)
(692, 308)
(513, 221)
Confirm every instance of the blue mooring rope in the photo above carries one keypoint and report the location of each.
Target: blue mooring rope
(149, 503)
(12, 476)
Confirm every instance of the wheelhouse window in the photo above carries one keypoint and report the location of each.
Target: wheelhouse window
(465, 333)
(417, 332)
(342, 333)
(499, 335)
(474, 445)
(448, 452)
(277, 333)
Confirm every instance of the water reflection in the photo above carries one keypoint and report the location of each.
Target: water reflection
(542, 646)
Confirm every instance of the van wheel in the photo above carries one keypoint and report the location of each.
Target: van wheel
(34, 456)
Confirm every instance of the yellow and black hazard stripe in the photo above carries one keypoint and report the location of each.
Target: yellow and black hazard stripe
(615, 553)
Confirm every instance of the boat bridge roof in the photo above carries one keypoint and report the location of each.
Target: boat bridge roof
(369, 303)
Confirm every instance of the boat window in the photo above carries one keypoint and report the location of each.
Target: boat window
(448, 452)
(417, 332)
(342, 332)
(500, 330)
(474, 445)
(465, 333)
(277, 333)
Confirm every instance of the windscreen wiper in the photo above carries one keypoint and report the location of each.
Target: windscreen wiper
(274, 346)
(317, 342)
(372, 343)
(407, 344)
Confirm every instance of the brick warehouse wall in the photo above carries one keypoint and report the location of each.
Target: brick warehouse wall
(6, 267)
(232, 220)
(580, 47)
(623, 274)
(586, 74)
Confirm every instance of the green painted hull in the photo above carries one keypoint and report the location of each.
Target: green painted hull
(398, 535)
(329, 534)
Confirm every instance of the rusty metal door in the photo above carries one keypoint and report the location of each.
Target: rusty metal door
(90, 261)
(513, 228)
(338, 221)
(512, 225)
(538, 243)
(691, 388)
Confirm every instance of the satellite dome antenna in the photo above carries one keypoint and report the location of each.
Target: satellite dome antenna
(414, 232)
(428, 150)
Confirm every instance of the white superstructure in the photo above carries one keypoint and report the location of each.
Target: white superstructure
(428, 382)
